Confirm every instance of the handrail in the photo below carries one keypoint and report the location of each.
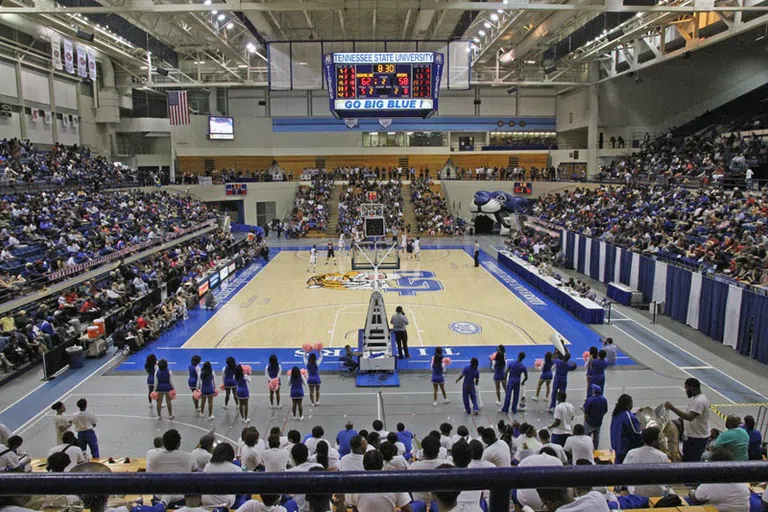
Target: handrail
(499, 481)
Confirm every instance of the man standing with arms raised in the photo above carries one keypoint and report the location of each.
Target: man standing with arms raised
(695, 421)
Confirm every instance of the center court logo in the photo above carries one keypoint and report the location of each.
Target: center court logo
(465, 328)
(404, 282)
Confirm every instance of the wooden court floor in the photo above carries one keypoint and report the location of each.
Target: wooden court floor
(446, 299)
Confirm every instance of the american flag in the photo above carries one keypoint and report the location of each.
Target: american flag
(178, 108)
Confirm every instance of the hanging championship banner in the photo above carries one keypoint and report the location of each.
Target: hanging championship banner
(48, 115)
(82, 66)
(92, 64)
(75, 122)
(56, 50)
(6, 110)
(65, 120)
(69, 62)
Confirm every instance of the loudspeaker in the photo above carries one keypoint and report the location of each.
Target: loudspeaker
(85, 36)
(550, 69)
(262, 103)
(512, 90)
(477, 102)
(162, 71)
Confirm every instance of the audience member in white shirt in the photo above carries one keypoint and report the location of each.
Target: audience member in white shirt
(392, 461)
(392, 438)
(448, 501)
(530, 497)
(559, 450)
(463, 455)
(10, 459)
(268, 503)
(731, 497)
(170, 460)
(275, 459)
(221, 462)
(5, 433)
(445, 435)
(353, 461)
(562, 426)
(563, 501)
(378, 427)
(71, 448)
(317, 436)
(250, 452)
(378, 502)
(579, 446)
(461, 433)
(326, 456)
(648, 454)
(60, 422)
(300, 456)
(526, 443)
(497, 450)
(430, 445)
(202, 453)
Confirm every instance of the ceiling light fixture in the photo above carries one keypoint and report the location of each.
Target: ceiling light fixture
(476, 39)
(487, 25)
(494, 17)
(221, 17)
(481, 32)
(230, 25)
(214, 12)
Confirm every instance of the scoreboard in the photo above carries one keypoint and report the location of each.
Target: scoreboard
(383, 84)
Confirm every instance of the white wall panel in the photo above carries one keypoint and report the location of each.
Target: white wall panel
(35, 87)
(10, 127)
(65, 94)
(39, 132)
(573, 110)
(321, 106)
(68, 135)
(288, 106)
(498, 106)
(8, 83)
(245, 103)
(456, 106)
(536, 106)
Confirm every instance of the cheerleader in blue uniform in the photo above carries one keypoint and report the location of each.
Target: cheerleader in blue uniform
(228, 380)
(313, 376)
(163, 387)
(194, 376)
(150, 366)
(515, 371)
(598, 369)
(546, 375)
(207, 386)
(438, 376)
(242, 392)
(297, 383)
(272, 371)
(560, 380)
(499, 366)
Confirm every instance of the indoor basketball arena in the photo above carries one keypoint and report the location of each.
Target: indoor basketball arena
(470, 244)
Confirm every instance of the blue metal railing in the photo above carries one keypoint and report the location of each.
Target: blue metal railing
(500, 482)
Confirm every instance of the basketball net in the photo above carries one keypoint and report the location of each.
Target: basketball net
(375, 266)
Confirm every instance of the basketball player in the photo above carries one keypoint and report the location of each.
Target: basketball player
(342, 244)
(331, 254)
(403, 240)
(312, 258)
(417, 248)
(409, 248)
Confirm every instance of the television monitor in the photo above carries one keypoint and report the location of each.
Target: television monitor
(221, 128)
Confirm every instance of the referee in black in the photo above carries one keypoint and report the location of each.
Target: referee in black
(477, 254)
(399, 323)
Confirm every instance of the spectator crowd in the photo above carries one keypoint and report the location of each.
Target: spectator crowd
(714, 229)
(432, 211)
(358, 191)
(311, 207)
(43, 232)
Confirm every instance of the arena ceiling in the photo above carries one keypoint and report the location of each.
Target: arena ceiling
(526, 42)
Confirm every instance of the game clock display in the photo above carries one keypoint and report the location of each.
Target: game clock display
(523, 188)
(383, 84)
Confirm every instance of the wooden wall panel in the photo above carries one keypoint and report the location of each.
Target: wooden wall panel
(381, 160)
(434, 162)
(529, 160)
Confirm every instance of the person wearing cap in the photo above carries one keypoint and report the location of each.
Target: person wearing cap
(595, 409)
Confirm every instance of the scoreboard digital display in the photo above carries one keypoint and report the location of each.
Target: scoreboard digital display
(523, 188)
(383, 84)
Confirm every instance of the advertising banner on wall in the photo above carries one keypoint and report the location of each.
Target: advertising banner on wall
(69, 62)
(91, 63)
(82, 66)
(56, 50)
(35, 114)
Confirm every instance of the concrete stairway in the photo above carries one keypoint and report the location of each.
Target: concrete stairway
(409, 214)
(333, 210)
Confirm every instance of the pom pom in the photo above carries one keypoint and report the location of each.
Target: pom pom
(304, 372)
(585, 355)
(307, 347)
(446, 361)
(197, 394)
(538, 364)
(153, 395)
(222, 387)
(247, 369)
(318, 346)
(172, 394)
(273, 385)
(492, 357)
